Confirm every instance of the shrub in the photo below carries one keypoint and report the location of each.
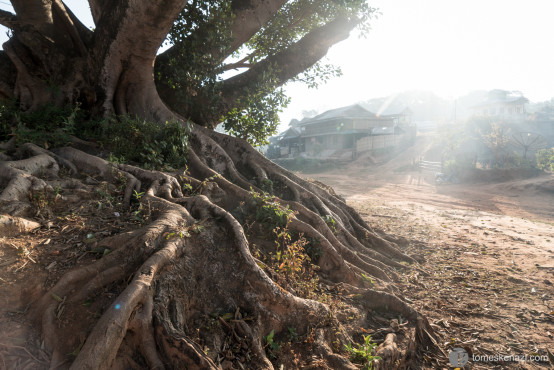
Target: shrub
(46, 126)
(148, 144)
(270, 212)
(545, 159)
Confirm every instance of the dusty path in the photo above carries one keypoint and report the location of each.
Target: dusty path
(487, 280)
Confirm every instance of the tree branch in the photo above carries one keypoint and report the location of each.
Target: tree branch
(237, 65)
(8, 19)
(96, 8)
(69, 26)
(290, 62)
(249, 18)
(35, 13)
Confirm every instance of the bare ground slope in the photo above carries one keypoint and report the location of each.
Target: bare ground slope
(488, 275)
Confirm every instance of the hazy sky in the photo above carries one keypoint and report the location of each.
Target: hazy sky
(447, 46)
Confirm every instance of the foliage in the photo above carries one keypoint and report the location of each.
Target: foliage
(258, 117)
(292, 334)
(294, 255)
(313, 250)
(47, 126)
(290, 256)
(270, 212)
(545, 159)
(497, 139)
(457, 166)
(149, 144)
(267, 186)
(201, 31)
(297, 18)
(330, 221)
(270, 344)
(363, 353)
(7, 110)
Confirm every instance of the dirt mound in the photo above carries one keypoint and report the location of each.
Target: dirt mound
(541, 184)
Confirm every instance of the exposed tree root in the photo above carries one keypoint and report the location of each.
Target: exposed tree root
(191, 293)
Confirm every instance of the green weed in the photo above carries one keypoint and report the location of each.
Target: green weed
(271, 345)
(363, 353)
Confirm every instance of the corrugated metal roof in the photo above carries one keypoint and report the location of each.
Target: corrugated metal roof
(351, 111)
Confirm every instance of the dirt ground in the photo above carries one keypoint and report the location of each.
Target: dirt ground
(486, 281)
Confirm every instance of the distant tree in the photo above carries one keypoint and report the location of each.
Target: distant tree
(497, 140)
(309, 113)
(545, 159)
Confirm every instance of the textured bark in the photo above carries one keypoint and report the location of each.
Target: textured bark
(8, 19)
(8, 75)
(177, 281)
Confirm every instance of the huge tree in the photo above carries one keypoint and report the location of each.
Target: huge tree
(201, 251)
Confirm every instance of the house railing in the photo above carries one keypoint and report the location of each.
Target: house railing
(428, 166)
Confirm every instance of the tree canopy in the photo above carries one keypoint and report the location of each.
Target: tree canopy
(226, 62)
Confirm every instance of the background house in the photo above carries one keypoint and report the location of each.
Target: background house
(343, 133)
(507, 105)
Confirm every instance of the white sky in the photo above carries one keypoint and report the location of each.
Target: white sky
(447, 46)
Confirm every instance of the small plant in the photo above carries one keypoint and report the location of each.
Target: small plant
(47, 126)
(368, 279)
(149, 144)
(270, 212)
(313, 250)
(271, 346)
(363, 353)
(330, 221)
(187, 188)
(137, 196)
(292, 335)
(290, 256)
(267, 186)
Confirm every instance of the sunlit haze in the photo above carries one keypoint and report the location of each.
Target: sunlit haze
(449, 47)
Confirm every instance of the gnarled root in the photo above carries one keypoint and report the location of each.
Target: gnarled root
(189, 291)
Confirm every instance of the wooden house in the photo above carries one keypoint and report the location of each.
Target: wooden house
(339, 129)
